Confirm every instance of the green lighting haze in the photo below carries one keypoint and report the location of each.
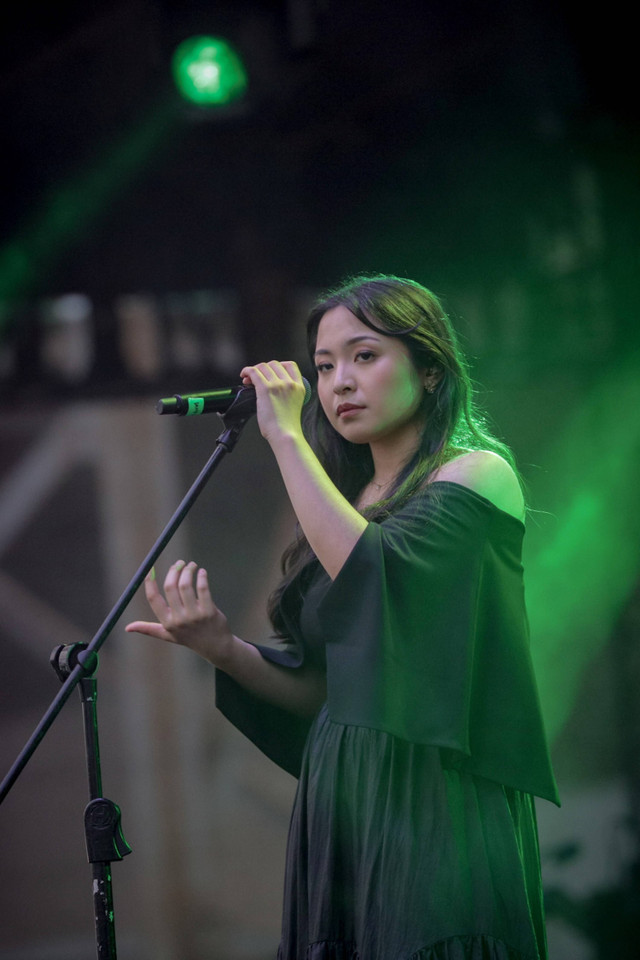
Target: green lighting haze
(581, 575)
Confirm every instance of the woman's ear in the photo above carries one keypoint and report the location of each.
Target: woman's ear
(431, 378)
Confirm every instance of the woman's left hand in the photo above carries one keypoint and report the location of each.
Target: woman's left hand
(186, 613)
(280, 394)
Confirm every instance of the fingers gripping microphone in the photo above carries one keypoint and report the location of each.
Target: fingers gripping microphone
(215, 401)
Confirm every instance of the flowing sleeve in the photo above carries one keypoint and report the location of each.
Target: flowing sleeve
(428, 639)
(277, 732)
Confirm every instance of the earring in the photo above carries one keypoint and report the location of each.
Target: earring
(430, 388)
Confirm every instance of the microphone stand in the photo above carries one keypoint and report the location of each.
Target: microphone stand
(75, 665)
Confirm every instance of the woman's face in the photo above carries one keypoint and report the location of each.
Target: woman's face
(368, 385)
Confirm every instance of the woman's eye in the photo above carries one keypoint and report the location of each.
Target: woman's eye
(365, 355)
(322, 367)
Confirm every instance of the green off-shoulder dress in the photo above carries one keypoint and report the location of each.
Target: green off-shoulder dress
(413, 833)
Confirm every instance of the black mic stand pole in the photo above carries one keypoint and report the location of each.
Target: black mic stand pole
(75, 665)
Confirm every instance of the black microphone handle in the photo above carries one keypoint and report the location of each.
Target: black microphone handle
(212, 401)
(207, 401)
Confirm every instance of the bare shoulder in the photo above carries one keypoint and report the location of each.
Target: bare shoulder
(488, 474)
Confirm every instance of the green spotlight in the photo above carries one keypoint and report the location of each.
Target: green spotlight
(208, 71)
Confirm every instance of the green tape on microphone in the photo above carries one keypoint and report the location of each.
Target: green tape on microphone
(195, 406)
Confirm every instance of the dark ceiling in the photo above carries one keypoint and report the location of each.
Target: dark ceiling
(368, 122)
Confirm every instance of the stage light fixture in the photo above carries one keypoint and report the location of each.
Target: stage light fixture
(208, 71)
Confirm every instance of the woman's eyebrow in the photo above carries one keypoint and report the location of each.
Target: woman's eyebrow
(351, 341)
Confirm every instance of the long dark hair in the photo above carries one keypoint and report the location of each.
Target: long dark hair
(394, 307)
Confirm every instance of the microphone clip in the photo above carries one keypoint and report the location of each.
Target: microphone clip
(241, 409)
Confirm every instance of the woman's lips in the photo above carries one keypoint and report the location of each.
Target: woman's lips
(346, 409)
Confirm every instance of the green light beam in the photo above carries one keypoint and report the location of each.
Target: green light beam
(71, 207)
(580, 580)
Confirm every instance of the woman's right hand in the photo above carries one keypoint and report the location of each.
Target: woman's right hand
(186, 614)
(280, 396)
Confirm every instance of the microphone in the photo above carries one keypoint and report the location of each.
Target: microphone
(215, 401)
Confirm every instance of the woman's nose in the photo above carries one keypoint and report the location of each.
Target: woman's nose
(343, 380)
